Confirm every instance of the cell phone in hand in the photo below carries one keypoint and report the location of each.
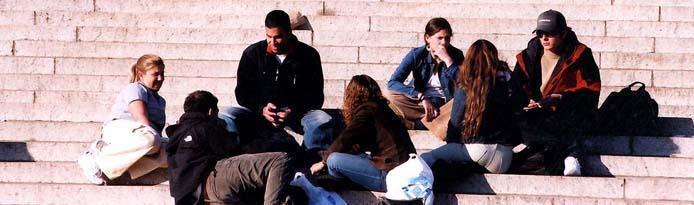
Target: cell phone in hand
(280, 109)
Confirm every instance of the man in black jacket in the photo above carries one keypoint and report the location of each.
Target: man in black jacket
(280, 83)
(206, 164)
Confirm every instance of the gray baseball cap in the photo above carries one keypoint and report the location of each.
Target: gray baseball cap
(550, 21)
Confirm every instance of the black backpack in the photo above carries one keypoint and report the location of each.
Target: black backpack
(628, 112)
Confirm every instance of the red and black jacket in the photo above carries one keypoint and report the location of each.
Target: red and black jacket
(576, 77)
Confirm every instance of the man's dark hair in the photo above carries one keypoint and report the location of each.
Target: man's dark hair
(200, 101)
(278, 19)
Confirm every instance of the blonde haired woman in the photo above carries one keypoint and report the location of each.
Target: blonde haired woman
(131, 136)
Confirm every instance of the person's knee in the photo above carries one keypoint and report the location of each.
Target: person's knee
(231, 116)
(234, 112)
(428, 158)
(334, 160)
(315, 118)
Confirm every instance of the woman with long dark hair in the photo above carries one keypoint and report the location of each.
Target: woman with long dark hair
(373, 142)
(481, 128)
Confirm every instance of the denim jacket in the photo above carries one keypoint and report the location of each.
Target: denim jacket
(420, 64)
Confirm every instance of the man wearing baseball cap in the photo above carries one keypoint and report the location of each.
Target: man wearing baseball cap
(559, 83)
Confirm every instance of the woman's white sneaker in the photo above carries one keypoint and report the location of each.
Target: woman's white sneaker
(87, 163)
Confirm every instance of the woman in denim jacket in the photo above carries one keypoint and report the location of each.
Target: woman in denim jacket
(434, 68)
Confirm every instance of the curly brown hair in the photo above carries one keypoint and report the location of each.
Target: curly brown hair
(361, 89)
(477, 77)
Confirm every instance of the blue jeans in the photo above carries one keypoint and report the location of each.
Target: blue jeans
(315, 124)
(357, 168)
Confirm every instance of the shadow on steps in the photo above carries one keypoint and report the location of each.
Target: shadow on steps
(155, 177)
(15, 152)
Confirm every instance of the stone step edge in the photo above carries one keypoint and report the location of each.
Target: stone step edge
(359, 196)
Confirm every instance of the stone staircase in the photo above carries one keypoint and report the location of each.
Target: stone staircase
(62, 63)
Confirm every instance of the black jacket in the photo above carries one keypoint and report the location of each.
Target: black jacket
(197, 142)
(498, 121)
(296, 83)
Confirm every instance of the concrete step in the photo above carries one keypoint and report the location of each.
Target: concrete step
(127, 50)
(92, 103)
(595, 187)
(41, 193)
(664, 96)
(369, 198)
(237, 7)
(86, 83)
(595, 165)
(27, 193)
(156, 20)
(57, 5)
(83, 112)
(55, 33)
(477, 25)
(344, 69)
(473, 9)
(521, 26)
(25, 18)
(486, 10)
(515, 42)
(66, 173)
(676, 111)
(608, 145)
(678, 144)
(605, 165)
(175, 43)
(220, 22)
(179, 35)
(648, 61)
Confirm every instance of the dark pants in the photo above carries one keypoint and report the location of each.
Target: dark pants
(250, 179)
(547, 149)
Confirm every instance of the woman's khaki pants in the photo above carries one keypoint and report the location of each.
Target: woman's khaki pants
(130, 146)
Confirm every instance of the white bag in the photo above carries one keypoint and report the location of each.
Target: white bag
(316, 195)
(411, 180)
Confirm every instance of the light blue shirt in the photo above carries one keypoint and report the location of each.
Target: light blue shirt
(154, 103)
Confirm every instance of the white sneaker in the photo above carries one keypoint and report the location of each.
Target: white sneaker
(87, 163)
(572, 167)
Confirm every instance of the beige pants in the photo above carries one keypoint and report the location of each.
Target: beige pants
(130, 146)
(412, 110)
(494, 157)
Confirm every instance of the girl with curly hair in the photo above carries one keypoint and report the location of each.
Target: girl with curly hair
(373, 142)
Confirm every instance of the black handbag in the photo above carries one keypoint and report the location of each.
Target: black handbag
(628, 112)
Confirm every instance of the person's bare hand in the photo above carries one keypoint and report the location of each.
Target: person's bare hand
(269, 114)
(283, 114)
(317, 168)
(430, 112)
(443, 55)
(532, 105)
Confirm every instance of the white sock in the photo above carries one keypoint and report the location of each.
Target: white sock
(572, 167)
